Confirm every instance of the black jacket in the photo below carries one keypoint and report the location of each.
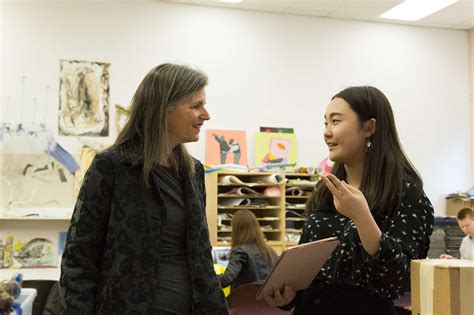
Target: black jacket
(246, 265)
(112, 252)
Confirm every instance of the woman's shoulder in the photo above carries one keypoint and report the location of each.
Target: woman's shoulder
(414, 197)
(108, 153)
(412, 186)
(197, 164)
(116, 155)
(241, 248)
(248, 249)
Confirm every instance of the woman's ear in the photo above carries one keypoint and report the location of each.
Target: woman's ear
(369, 126)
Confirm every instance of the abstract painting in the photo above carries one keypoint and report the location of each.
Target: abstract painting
(35, 181)
(276, 129)
(84, 98)
(121, 117)
(37, 252)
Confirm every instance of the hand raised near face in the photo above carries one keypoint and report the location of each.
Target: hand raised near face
(348, 200)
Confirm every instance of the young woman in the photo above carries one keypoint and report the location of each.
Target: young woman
(373, 201)
(251, 259)
(138, 241)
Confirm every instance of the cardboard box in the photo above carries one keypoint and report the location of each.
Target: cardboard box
(442, 287)
(453, 205)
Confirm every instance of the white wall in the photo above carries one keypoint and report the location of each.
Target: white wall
(471, 77)
(264, 69)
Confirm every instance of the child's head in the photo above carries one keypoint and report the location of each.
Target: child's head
(465, 219)
(245, 228)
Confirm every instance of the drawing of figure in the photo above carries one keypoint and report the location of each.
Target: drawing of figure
(235, 149)
(83, 98)
(82, 104)
(223, 147)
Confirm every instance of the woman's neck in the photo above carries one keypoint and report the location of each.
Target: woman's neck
(165, 158)
(354, 175)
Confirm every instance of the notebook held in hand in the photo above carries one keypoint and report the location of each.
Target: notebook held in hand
(299, 265)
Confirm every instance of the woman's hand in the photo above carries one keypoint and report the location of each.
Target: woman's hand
(279, 299)
(349, 201)
(446, 256)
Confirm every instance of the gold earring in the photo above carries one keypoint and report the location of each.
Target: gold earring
(368, 145)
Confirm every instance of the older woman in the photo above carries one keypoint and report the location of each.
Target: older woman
(138, 241)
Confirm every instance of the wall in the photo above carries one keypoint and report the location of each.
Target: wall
(471, 98)
(264, 69)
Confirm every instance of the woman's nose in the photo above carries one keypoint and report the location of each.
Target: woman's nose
(327, 132)
(205, 114)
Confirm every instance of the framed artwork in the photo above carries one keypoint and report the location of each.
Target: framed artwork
(226, 147)
(34, 253)
(276, 129)
(121, 117)
(275, 148)
(85, 155)
(35, 181)
(84, 98)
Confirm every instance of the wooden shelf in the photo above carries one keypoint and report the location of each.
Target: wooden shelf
(250, 185)
(35, 218)
(277, 215)
(248, 207)
(247, 196)
(52, 273)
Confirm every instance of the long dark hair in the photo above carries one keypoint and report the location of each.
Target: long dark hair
(144, 140)
(385, 165)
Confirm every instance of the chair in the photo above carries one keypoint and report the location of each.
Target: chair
(243, 300)
(47, 300)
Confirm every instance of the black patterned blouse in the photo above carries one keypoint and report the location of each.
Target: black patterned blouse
(386, 274)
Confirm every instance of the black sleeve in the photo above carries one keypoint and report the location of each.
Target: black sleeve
(82, 258)
(405, 238)
(238, 259)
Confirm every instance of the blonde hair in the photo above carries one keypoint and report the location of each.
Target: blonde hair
(246, 230)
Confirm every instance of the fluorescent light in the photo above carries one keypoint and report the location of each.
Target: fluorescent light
(414, 10)
(231, 1)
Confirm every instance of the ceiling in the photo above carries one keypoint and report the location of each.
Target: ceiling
(459, 15)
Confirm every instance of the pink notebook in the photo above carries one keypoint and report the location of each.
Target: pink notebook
(299, 265)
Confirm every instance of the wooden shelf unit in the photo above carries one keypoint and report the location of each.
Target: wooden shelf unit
(271, 211)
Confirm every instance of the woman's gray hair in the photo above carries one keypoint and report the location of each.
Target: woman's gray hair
(145, 136)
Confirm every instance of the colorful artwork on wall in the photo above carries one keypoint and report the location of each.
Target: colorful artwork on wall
(276, 129)
(37, 252)
(275, 148)
(84, 98)
(226, 147)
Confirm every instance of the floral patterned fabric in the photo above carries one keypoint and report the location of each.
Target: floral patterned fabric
(352, 276)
